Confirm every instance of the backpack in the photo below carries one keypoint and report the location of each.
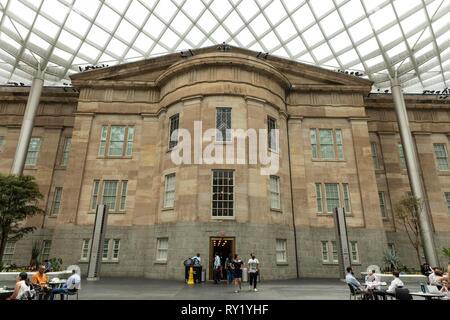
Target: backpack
(196, 262)
(188, 262)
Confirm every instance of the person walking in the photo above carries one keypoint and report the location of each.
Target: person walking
(237, 272)
(217, 268)
(253, 269)
(229, 269)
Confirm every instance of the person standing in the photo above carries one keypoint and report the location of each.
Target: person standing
(253, 269)
(237, 272)
(229, 269)
(217, 268)
(197, 264)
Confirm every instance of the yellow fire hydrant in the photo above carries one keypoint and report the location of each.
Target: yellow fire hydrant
(191, 276)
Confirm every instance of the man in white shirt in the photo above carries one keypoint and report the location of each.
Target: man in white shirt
(72, 284)
(253, 269)
(396, 283)
(217, 269)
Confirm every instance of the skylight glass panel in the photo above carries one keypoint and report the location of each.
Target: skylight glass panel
(119, 6)
(340, 42)
(368, 47)
(89, 51)
(275, 12)
(55, 9)
(247, 8)
(360, 30)
(220, 8)
(137, 12)
(442, 24)
(259, 25)
(69, 40)
(286, 29)
(126, 31)
(25, 13)
(322, 52)
(195, 8)
(348, 57)
(372, 5)
(107, 18)
(165, 10)
(270, 40)
(245, 37)
(220, 35)
(290, 5)
(303, 17)
(382, 17)
(413, 21)
(180, 23)
(62, 54)
(46, 26)
(397, 50)
(390, 35)
(313, 35)
(233, 22)
(35, 39)
(77, 23)
(169, 38)
(9, 40)
(90, 10)
(331, 24)
(207, 21)
(195, 35)
(98, 36)
(23, 32)
(352, 11)
(154, 26)
(402, 7)
(262, 3)
(116, 47)
(143, 42)
(321, 7)
(434, 7)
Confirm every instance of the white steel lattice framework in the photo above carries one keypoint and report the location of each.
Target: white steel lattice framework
(409, 39)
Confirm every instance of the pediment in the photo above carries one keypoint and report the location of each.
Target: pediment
(150, 70)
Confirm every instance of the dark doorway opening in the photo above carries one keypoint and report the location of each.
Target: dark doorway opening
(225, 247)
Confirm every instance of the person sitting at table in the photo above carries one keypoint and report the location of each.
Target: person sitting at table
(372, 280)
(396, 283)
(432, 277)
(439, 277)
(72, 285)
(22, 289)
(351, 280)
(40, 280)
(445, 289)
(426, 270)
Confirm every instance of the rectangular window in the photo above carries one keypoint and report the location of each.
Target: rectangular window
(66, 150)
(271, 126)
(162, 247)
(375, 160)
(103, 137)
(326, 144)
(347, 205)
(33, 151)
(56, 203)
(2, 143)
(123, 195)
(354, 251)
(118, 143)
(223, 193)
(130, 139)
(335, 253)
(116, 248)
(319, 197)
(105, 252)
(173, 130)
(447, 198)
(85, 249)
(281, 251)
(94, 196)
(109, 194)
(441, 156)
(332, 196)
(382, 204)
(223, 124)
(339, 145)
(45, 253)
(275, 201)
(169, 190)
(325, 258)
(8, 253)
(402, 156)
(313, 139)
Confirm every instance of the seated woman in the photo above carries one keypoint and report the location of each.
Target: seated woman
(22, 289)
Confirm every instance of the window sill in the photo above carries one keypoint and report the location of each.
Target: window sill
(114, 157)
(168, 209)
(223, 218)
(276, 210)
(29, 167)
(110, 212)
(330, 263)
(53, 216)
(331, 160)
(110, 261)
(330, 215)
(223, 142)
(160, 262)
(60, 167)
(282, 264)
(276, 151)
(443, 173)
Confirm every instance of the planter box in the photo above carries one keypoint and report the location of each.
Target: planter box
(11, 276)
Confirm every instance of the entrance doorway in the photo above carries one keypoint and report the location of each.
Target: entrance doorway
(224, 246)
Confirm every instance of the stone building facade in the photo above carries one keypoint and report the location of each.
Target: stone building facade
(109, 142)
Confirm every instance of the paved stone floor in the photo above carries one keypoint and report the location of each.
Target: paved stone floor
(147, 289)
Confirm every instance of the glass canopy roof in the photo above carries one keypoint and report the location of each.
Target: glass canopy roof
(378, 38)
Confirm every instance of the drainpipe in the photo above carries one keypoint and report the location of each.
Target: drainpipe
(412, 165)
(27, 123)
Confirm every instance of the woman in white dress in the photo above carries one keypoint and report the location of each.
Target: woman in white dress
(22, 289)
